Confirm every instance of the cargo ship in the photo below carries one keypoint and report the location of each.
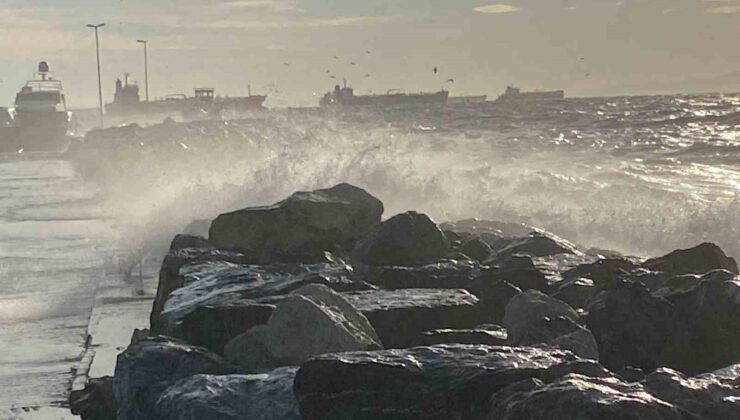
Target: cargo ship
(515, 95)
(467, 100)
(203, 104)
(40, 120)
(345, 97)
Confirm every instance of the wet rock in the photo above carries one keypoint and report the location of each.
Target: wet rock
(95, 401)
(490, 335)
(476, 249)
(526, 313)
(303, 327)
(407, 239)
(603, 272)
(581, 342)
(630, 326)
(306, 222)
(576, 396)
(250, 351)
(231, 397)
(445, 274)
(480, 227)
(698, 260)
(152, 365)
(400, 317)
(706, 335)
(537, 244)
(439, 382)
(520, 271)
(494, 295)
(183, 241)
(576, 292)
(714, 395)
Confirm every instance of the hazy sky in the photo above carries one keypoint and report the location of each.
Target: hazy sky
(587, 47)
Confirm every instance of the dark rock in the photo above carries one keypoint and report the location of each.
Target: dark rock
(434, 383)
(95, 401)
(231, 397)
(603, 272)
(698, 260)
(400, 317)
(407, 239)
(630, 326)
(576, 396)
(250, 351)
(480, 227)
(576, 292)
(476, 249)
(446, 274)
(198, 227)
(494, 295)
(304, 223)
(714, 395)
(152, 365)
(139, 335)
(183, 241)
(537, 244)
(631, 374)
(485, 336)
(520, 271)
(706, 336)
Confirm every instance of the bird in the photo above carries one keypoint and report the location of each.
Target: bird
(588, 74)
(436, 70)
(352, 62)
(367, 51)
(366, 76)
(582, 58)
(328, 71)
(286, 64)
(336, 58)
(450, 80)
(332, 77)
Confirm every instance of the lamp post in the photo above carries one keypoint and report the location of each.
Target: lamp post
(100, 81)
(146, 68)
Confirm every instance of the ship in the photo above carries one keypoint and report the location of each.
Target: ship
(40, 120)
(467, 100)
(345, 97)
(514, 95)
(203, 104)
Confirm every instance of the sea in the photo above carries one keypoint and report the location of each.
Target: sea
(636, 175)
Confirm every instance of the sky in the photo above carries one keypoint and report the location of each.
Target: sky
(295, 50)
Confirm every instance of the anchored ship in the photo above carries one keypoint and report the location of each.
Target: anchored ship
(203, 104)
(345, 97)
(515, 95)
(467, 100)
(40, 119)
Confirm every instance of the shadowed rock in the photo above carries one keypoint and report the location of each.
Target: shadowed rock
(492, 335)
(439, 382)
(476, 249)
(250, 351)
(537, 244)
(407, 239)
(698, 260)
(576, 293)
(231, 397)
(304, 223)
(150, 366)
(95, 401)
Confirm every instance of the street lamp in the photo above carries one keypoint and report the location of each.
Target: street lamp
(146, 68)
(100, 81)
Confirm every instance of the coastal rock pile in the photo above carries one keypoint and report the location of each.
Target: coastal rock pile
(314, 308)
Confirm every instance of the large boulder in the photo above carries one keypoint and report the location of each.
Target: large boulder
(576, 293)
(444, 274)
(489, 335)
(407, 239)
(537, 244)
(698, 260)
(147, 368)
(231, 397)
(400, 317)
(576, 396)
(520, 271)
(304, 223)
(95, 401)
(303, 326)
(250, 351)
(631, 326)
(438, 382)
(603, 272)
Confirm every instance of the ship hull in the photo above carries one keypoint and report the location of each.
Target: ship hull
(39, 130)
(390, 101)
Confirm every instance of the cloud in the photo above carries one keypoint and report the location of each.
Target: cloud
(497, 8)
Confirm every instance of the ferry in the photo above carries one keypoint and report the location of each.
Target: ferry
(514, 95)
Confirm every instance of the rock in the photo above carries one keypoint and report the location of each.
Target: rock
(183, 241)
(150, 366)
(95, 401)
(212, 326)
(250, 351)
(435, 383)
(169, 274)
(519, 271)
(306, 222)
(139, 335)
(494, 295)
(445, 274)
(407, 239)
(581, 397)
(698, 260)
(576, 292)
(303, 327)
(537, 244)
(714, 395)
(603, 272)
(581, 342)
(476, 249)
(480, 227)
(526, 312)
(486, 336)
(706, 335)
(231, 397)
(400, 317)
(630, 326)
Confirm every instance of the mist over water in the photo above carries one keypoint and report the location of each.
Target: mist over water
(641, 175)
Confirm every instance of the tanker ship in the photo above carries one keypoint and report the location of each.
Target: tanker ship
(345, 97)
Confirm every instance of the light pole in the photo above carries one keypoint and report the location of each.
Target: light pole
(146, 68)
(100, 81)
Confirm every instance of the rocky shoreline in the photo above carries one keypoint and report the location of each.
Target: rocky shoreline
(316, 308)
